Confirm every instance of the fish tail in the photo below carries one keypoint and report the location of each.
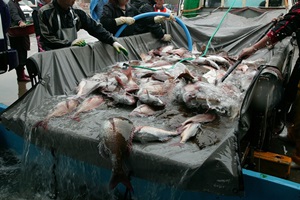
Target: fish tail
(179, 144)
(116, 179)
(76, 118)
(42, 123)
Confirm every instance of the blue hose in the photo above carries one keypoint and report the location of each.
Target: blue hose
(152, 14)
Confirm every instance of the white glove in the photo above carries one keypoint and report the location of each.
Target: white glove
(119, 48)
(161, 19)
(79, 42)
(124, 20)
(166, 38)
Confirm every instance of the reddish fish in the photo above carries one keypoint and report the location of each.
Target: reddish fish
(60, 109)
(115, 143)
(87, 105)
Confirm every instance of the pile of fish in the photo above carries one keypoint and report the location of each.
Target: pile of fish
(165, 82)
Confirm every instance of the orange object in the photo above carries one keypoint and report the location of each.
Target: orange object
(21, 31)
(272, 164)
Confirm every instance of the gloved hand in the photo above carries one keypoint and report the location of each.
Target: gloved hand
(119, 48)
(79, 42)
(124, 20)
(166, 38)
(161, 19)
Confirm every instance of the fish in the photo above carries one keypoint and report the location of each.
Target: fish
(130, 85)
(85, 87)
(150, 99)
(205, 61)
(62, 108)
(122, 97)
(200, 118)
(146, 134)
(115, 143)
(188, 131)
(87, 105)
(219, 60)
(142, 110)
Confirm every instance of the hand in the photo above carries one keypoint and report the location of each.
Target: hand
(166, 38)
(245, 53)
(79, 42)
(22, 24)
(161, 19)
(124, 20)
(119, 48)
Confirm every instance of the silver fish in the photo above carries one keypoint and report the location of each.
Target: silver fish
(149, 134)
(150, 99)
(189, 130)
(62, 108)
(142, 110)
(85, 87)
(115, 143)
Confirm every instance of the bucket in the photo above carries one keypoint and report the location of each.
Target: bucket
(21, 31)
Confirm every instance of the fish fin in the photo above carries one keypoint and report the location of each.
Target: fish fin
(116, 179)
(42, 123)
(76, 118)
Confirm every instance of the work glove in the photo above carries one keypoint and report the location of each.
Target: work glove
(120, 48)
(124, 20)
(161, 19)
(79, 42)
(166, 38)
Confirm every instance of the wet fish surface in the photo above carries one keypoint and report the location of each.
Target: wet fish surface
(115, 143)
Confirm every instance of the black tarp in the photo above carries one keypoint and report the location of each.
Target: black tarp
(215, 169)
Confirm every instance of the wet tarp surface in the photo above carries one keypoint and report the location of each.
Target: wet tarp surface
(215, 169)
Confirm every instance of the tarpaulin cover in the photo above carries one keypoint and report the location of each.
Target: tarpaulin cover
(215, 169)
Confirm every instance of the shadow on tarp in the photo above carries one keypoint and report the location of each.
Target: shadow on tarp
(214, 170)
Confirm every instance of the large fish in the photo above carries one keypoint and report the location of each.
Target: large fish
(62, 108)
(115, 143)
(87, 105)
(85, 87)
(149, 134)
(142, 110)
(150, 99)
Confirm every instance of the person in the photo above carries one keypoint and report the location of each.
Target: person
(151, 24)
(286, 26)
(59, 22)
(35, 18)
(159, 7)
(20, 43)
(115, 14)
(96, 8)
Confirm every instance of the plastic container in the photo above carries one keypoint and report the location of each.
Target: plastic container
(21, 31)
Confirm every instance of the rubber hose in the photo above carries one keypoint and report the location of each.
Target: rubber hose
(152, 14)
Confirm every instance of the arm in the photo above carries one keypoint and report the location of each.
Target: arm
(108, 20)
(285, 27)
(93, 28)
(14, 14)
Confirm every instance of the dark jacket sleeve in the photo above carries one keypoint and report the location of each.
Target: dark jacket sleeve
(110, 13)
(285, 27)
(16, 14)
(93, 28)
(147, 24)
(108, 19)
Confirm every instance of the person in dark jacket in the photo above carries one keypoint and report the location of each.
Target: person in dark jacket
(150, 24)
(286, 26)
(60, 21)
(36, 23)
(20, 43)
(115, 14)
